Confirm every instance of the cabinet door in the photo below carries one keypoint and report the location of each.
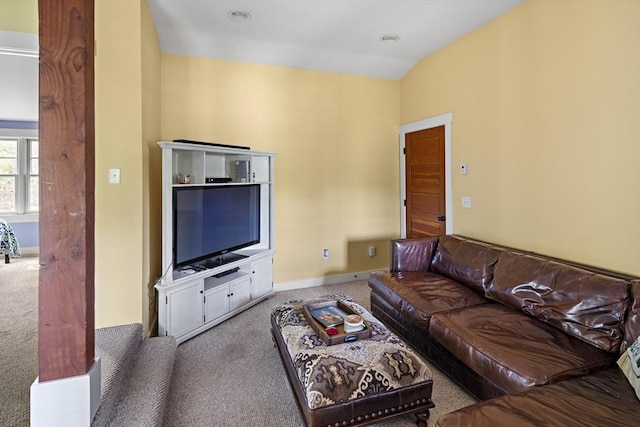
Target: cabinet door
(240, 291)
(184, 309)
(262, 280)
(216, 302)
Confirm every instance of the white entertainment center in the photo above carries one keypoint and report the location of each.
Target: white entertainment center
(194, 298)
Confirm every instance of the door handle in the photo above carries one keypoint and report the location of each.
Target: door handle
(442, 218)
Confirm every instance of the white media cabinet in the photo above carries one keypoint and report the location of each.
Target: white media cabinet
(190, 302)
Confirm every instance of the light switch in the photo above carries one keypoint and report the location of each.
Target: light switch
(466, 201)
(463, 168)
(114, 176)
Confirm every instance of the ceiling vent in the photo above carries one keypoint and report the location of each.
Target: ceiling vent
(389, 38)
(239, 15)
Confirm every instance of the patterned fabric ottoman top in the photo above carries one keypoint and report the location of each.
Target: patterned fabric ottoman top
(344, 372)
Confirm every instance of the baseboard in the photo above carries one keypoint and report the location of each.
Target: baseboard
(32, 251)
(319, 281)
(69, 401)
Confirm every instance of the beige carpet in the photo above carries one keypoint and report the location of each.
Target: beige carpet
(230, 375)
(18, 338)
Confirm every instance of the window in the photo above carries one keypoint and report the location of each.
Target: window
(19, 165)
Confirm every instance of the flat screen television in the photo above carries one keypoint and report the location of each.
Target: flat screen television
(209, 222)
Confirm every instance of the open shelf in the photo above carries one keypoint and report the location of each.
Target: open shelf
(247, 167)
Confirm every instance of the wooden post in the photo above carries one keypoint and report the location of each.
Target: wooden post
(66, 320)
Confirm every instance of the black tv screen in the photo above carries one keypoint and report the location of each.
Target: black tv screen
(209, 221)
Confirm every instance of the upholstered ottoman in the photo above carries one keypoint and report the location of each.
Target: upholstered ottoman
(353, 383)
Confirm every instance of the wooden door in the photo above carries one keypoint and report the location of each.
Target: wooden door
(425, 182)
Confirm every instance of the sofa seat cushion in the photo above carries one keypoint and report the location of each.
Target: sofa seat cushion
(601, 399)
(418, 295)
(587, 305)
(513, 350)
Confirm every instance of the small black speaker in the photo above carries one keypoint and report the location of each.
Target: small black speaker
(242, 171)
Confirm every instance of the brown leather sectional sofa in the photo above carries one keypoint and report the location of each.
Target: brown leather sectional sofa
(535, 338)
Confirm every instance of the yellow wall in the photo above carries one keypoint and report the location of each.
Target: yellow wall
(336, 183)
(119, 222)
(152, 167)
(19, 15)
(546, 111)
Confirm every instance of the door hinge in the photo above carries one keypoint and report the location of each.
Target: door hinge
(404, 150)
(204, 298)
(166, 299)
(404, 202)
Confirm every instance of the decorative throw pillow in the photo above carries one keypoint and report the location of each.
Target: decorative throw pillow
(629, 362)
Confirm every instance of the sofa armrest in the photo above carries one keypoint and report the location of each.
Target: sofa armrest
(412, 254)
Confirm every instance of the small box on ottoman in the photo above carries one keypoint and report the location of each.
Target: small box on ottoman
(354, 383)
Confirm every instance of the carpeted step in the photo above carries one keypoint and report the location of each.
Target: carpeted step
(143, 399)
(116, 347)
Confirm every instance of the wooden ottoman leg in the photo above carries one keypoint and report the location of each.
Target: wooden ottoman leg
(421, 418)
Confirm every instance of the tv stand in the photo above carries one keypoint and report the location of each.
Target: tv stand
(197, 297)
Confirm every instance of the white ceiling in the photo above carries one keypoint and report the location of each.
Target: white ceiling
(327, 35)
(18, 76)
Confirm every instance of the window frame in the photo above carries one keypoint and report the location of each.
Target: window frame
(22, 185)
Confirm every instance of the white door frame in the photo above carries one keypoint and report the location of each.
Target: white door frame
(432, 122)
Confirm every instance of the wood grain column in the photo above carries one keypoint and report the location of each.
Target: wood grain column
(66, 323)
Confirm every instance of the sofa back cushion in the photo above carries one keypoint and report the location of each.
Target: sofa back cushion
(632, 324)
(581, 303)
(412, 254)
(468, 262)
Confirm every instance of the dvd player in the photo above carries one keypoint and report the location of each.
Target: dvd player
(212, 180)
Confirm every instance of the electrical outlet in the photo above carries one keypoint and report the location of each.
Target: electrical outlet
(466, 202)
(372, 251)
(325, 254)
